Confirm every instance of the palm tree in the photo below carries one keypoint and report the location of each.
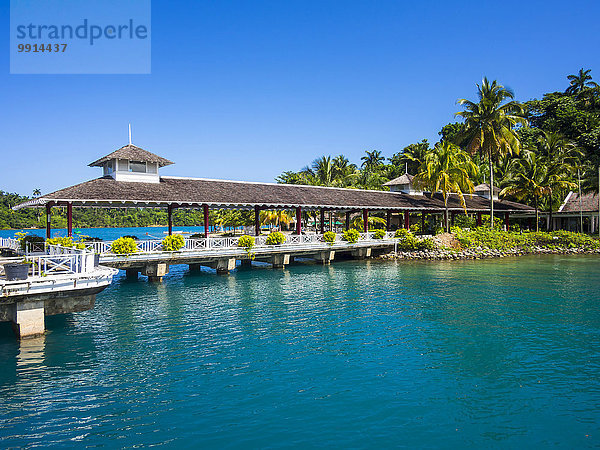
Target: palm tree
(410, 158)
(372, 160)
(527, 180)
(275, 218)
(489, 125)
(447, 169)
(37, 192)
(374, 222)
(580, 82)
(344, 172)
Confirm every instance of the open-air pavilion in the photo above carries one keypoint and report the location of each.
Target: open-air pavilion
(131, 179)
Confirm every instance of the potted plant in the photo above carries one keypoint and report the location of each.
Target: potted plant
(17, 271)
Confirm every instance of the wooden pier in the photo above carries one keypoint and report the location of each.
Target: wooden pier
(222, 254)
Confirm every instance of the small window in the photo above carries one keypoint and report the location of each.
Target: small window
(137, 166)
(109, 167)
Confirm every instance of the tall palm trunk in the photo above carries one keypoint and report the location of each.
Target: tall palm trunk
(537, 216)
(446, 217)
(550, 225)
(491, 192)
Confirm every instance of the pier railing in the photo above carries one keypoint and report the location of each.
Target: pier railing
(62, 260)
(215, 243)
(11, 243)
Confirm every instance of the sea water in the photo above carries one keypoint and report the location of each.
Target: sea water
(462, 354)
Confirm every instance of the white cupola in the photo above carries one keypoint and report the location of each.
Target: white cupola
(131, 163)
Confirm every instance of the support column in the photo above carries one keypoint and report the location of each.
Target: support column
(445, 219)
(452, 216)
(298, 220)
(347, 220)
(322, 221)
(479, 221)
(131, 273)
(366, 220)
(28, 318)
(48, 220)
(407, 220)
(205, 214)
(388, 221)
(423, 222)
(506, 221)
(223, 266)
(155, 272)
(280, 260)
(256, 221)
(70, 219)
(325, 257)
(170, 219)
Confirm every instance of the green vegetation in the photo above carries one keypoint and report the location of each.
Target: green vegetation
(30, 240)
(500, 240)
(531, 150)
(329, 237)
(124, 246)
(407, 242)
(351, 236)
(173, 243)
(275, 238)
(66, 242)
(379, 234)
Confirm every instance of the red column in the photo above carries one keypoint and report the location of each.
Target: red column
(506, 221)
(322, 221)
(407, 220)
(347, 220)
(366, 220)
(256, 221)
(479, 221)
(205, 213)
(170, 219)
(48, 220)
(298, 220)
(422, 222)
(70, 219)
(388, 221)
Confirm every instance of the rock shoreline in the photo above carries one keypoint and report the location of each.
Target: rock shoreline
(484, 253)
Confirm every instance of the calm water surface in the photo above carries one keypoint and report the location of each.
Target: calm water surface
(500, 354)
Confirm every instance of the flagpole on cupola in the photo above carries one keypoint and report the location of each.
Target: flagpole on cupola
(129, 134)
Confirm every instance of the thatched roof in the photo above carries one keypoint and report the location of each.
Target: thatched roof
(589, 203)
(402, 179)
(193, 192)
(133, 153)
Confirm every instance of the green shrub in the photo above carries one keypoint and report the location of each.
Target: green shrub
(275, 238)
(31, 240)
(415, 228)
(246, 242)
(65, 242)
(379, 234)
(173, 243)
(351, 236)
(402, 233)
(426, 244)
(130, 236)
(124, 246)
(329, 237)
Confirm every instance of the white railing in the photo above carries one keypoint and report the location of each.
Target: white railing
(62, 260)
(217, 243)
(11, 243)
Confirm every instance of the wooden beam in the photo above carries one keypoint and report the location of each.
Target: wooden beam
(298, 220)
(322, 221)
(70, 219)
(48, 220)
(366, 220)
(257, 221)
(170, 218)
(205, 212)
(407, 220)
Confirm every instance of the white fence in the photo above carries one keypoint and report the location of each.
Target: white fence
(214, 243)
(11, 243)
(62, 260)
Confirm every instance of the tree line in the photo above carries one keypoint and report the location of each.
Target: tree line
(534, 151)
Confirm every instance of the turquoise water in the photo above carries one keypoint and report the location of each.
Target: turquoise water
(109, 233)
(494, 354)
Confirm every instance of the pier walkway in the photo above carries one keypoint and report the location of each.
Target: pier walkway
(222, 253)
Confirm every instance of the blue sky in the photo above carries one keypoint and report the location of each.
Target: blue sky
(246, 90)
